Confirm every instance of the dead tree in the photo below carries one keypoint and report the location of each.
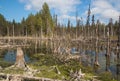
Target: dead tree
(96, 46)
(88, 20)
(20, 61)
(108, 51)
(118, 52)
(13, 33)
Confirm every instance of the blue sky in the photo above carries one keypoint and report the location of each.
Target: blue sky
(66, 9)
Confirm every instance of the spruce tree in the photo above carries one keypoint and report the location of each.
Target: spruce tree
(46, 19)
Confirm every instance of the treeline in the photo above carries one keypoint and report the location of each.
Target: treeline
(32, 25)
(43, 23)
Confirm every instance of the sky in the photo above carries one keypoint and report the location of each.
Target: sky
(65, 9)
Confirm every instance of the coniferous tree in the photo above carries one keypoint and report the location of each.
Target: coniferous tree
(13, 29)
(78, 27)
(38, 24)
(93, 21)
(30, 22)
(55, 22)
(116, 25)
(88, 17)
(93, 25)
(3, 26)
(68, 27)
(47, 19)
(110, 25)
(23, 27)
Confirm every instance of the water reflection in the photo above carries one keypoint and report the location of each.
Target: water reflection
(102, 62)
(88, 56)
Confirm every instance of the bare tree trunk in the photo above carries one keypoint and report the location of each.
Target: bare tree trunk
(36, 43)
(13, 34)
(118, 52)
(8, 35)
(96, 48)
(118, 63)
(96, 55)
(20, 61)
(108, 52)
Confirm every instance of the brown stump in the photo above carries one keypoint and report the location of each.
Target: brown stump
(20, 61)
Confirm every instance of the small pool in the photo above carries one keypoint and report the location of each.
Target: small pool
(10, 56)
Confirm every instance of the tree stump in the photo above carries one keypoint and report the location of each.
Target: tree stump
(20, 61)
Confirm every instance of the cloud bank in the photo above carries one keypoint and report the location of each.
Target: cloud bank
(106, 9)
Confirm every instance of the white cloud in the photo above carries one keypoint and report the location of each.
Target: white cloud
(28, 7)
(102, 9)
(67, 17)
(62, 7)
(106, 9)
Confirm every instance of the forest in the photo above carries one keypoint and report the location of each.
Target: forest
(44, 23)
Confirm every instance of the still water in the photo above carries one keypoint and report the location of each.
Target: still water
(10, 56)
(88, 56)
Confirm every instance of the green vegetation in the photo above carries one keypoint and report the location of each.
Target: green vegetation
(48, 72)
(43, 23)
(31, 26)
(5, 64)
(13, 71)
(46, 63)
(106, 76)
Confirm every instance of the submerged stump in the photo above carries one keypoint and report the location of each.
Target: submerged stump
(20, 61)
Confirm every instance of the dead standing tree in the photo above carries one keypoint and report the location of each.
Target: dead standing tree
(118, 52)
(108, 51)
(96, 46)
(20, 61)
(88, 21)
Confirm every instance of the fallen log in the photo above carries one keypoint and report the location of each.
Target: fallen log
(8, 76)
